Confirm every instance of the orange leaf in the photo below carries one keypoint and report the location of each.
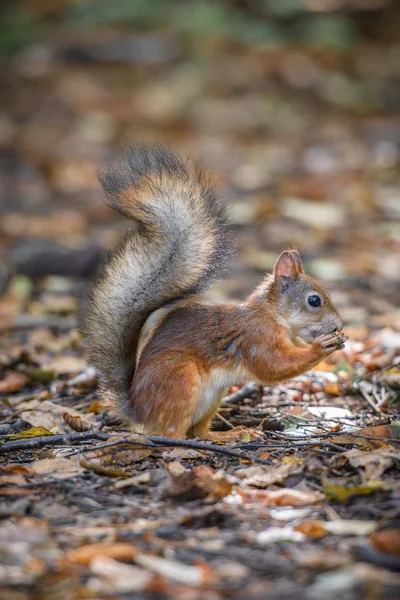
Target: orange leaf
(312, 529)
(12, 383)
(283, 497)
(85, 554)
(332, 388)
(387, 540)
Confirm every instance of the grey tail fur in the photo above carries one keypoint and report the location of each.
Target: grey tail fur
(176, 247)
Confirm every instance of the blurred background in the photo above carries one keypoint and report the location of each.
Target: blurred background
(294, 105)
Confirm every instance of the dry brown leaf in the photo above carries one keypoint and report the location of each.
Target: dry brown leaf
(312, 529)
(121, 454)
(200, 482)
(332, 388)
(340, 489)
(283, 497)
(48, 414)
(59, 468)
(52, 226)
(16, 491)
(96, 466)
(262, 477)
(13, 382)
(66, 365)
(387, 540)
(95, 407)
(374, 462)
(85, 554)
(15, 468)
(29, 433)
(361, 437)
(12, 479)
(116, 577)
(176, 571)
(76, 422)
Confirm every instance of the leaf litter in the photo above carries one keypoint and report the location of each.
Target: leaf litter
(88, 510)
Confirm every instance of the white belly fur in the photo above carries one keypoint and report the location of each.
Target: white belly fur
(217, 381)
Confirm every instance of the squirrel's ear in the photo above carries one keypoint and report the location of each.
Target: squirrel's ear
(286, 266)
(297, 260)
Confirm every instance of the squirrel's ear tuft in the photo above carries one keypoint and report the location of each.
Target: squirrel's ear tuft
(286, 266)
(297, 260)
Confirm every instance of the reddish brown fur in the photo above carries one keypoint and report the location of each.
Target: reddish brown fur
(193, 339)
(174, 384)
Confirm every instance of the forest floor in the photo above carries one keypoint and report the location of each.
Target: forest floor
(306, 503)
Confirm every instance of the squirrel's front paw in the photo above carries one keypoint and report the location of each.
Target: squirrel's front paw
(330, 342)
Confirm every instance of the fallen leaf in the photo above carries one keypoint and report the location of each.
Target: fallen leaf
(66, 365)
(12, 479)
(13, 382)
(174, 570)
(339, 491)
(49, 415)
(350, 527)
(312, 529)
(76, 422)
(85, 554)
(16, 491)
(59, 468)
(116, 577)
(368, 438)
(181, 453)
(200, 482)
(16, 468)
(262, 477)
(332, 388)
(374, 462)
(96, 406)
(283, 497)
(140, 479)
(321, 559)
(96, 466)
(387, 540)
(29, 433)
(290, 514)
(279, 534)
(121, 454)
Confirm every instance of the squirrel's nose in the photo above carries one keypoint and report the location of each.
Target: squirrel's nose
(339, 325)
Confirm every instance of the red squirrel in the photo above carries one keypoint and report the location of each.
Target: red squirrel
(172, 383)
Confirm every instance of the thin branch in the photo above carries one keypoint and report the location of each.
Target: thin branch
(52, 440)
(245, 392)
(221, 418)
(369, 399)
(160, 442)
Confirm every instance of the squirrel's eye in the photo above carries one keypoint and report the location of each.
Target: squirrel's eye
(314, 301)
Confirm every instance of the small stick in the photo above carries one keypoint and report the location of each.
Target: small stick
(385, 397)
(221, 418)
(52, 440)
(245, 392)
(369, 399)
(159, 442)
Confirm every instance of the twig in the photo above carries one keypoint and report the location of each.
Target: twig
(369, 399)
(385, 398)
(245, 392)
(221, 418)
(289, 445)
(52, 440)
(160, 442)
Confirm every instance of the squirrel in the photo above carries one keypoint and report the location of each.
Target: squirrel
(172, 382)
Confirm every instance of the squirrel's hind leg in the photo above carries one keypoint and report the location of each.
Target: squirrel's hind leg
(202, 428)
(165, 394)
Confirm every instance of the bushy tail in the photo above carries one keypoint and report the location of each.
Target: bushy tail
(177, 246)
